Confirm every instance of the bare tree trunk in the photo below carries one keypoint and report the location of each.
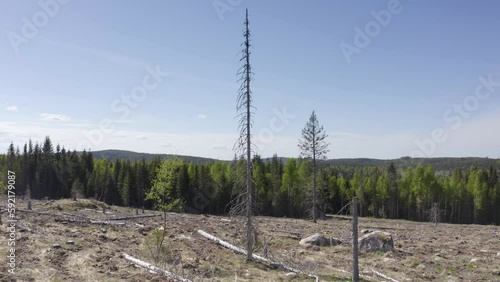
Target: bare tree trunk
(314, 187)
(355, 269)
(452, 212)
(361, 200)
(397, 205)
(289, 202)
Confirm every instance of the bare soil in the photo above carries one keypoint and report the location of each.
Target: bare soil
(423, 252)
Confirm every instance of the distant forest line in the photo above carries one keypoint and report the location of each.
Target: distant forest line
(466, 190)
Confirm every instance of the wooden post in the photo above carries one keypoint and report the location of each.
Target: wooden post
(28, 194)
(355, 269)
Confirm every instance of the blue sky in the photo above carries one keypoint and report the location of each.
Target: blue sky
(411, 90)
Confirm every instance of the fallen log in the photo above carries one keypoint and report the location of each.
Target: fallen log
(30, 211)
(68, 217)
(132, 217)
(155, 269)
(107, 222)
(49, 202)
(290, 234)
(256, 257)
(74, 215)
(72, 220)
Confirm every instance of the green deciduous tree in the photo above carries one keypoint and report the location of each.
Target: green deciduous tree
(164, 192)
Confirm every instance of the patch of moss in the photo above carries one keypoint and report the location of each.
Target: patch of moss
(382, 236)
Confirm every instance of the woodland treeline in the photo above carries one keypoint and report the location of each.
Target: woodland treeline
(281, 188)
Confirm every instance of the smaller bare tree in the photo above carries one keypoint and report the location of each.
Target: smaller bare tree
(76, 190)
(434, 214)
(313, 146)
(157, 248)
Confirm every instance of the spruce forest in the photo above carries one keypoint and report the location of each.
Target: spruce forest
(463, 195)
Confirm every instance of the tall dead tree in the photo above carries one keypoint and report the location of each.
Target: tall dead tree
(314, 147)
(244, 200)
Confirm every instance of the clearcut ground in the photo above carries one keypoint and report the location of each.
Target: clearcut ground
(423, 252)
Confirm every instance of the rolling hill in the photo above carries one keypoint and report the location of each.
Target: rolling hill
(439, 164)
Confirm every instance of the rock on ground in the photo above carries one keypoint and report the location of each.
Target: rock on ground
(377, 241)
(318, 240)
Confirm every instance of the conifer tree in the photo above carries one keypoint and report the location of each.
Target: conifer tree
(314, 147)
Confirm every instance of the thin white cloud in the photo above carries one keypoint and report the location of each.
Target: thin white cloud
(54, 117)
(220, 147)
(142, 137)
(20, 133)
(12, 108)
(123, 121)
(477, 137)
(112, 57)
(202, 116)
(344, 135)
(120, 134)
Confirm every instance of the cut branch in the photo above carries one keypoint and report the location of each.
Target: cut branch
(154, 269)
(384, 276)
